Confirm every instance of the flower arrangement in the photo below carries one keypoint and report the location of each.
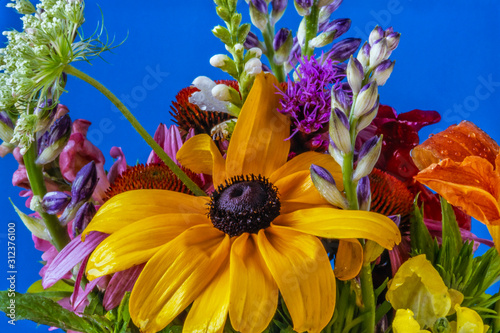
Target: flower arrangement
(286, 197)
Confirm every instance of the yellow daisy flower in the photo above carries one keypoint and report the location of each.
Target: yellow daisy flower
(254, 238)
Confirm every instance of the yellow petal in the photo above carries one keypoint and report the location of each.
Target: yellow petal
(472, 185)
(468, 321)
(131, 206)
(371, 251)
(201, 155)
(301, 268)
(405, 323)
(342, 224)
(258, 144)
(456, 299)
(176, 275)
(348, 260)
(303, 162)
(209, 311)
(298, 187)
(419, 287)
(254, 293)
(136, 243)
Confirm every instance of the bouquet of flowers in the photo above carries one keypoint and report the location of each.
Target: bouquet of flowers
(284, 198)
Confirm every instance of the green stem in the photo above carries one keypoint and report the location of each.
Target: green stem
(138, 127)
(278, 70)
(349, 185)
(57, 232)
(368, 298)
(311, 29)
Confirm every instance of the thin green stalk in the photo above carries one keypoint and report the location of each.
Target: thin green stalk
(349, 185)
(138, 127)
(496, 320)
(311, 29)
(368, 298)
(57, 232)
(278, 70)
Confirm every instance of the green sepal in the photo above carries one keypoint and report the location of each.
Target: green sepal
(223, 13)
(47, 312)
(35, 225)
(236, 20)
(58, 291)
(242, 33)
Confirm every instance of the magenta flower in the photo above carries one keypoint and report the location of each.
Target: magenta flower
(170, 140)
(307, 101)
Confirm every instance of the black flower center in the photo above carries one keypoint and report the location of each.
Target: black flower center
(244, 204)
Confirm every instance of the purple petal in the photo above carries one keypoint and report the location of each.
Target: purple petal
(279, 5)
(260, 5)
(84, 184)
(323, 173)
(54, 202)
(280, 38)
(70, 256)
(342, 50)
(343, 118)
(340, 25)
(4, 118)
(367, 146)
(251, 41)
(120, 283)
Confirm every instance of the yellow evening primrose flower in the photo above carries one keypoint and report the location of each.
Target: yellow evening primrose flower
(468, 321)
(417, 286)
(404, 322)
(234, 252)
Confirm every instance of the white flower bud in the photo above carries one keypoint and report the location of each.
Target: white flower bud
(366, 99)
(253, 66)
(256, 51)
(221, 92)
(355, 74)
(219, 60)
(378, 52)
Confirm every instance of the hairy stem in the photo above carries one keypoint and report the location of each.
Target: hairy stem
(57, 232)
(278, 70)
(138, 127)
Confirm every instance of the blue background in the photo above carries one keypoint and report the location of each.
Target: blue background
(447, 51)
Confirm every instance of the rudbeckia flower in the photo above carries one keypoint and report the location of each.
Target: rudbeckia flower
(236, 251)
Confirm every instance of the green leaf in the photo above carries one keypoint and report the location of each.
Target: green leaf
(451, 231)
(242, 33)
(421, 240)
(95, 305)
(59, 290)
(35, 225)
(47, 312)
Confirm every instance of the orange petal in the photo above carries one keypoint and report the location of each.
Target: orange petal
(258, 144)
(300, 266)
(456, 143)
(254, 294)
(303, 162)
(200, 155)
(349, 259)
(132, 206)
(472, 185)
(176, 276)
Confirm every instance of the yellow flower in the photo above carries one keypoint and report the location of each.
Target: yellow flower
(417, 286)
(254, 238)
(404, 322)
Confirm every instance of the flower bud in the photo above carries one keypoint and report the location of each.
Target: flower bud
(54, 141)
(341, 100)
(442, 325)
(83, 217)
(326, 11)
(355, 74)
(279, 7)
(383, 71)
(342, 50)
(340, 26)
(337, 155)
(251, 41)
(323, 3)
(364, 55)
(393, 40)
(375, 35)
(325, 184)
(339, 131)
(363, 193)
(378, 52)
(253, 66)
(255, 52)
(227, 94)
(84, 184)
(223, 62)
(24, 7)
(367, 158)
(6, 127)
(282, 44)
(303, 7)
(258, 14)
(366, 99)
(204, 98)
(367, 118)
(45, 113)
(55, 202)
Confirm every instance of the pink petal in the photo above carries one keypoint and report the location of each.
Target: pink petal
(120, 283)
(70, 256)
(119, 166)
(88, 289)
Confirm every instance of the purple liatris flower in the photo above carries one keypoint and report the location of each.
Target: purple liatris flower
(307, 101)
